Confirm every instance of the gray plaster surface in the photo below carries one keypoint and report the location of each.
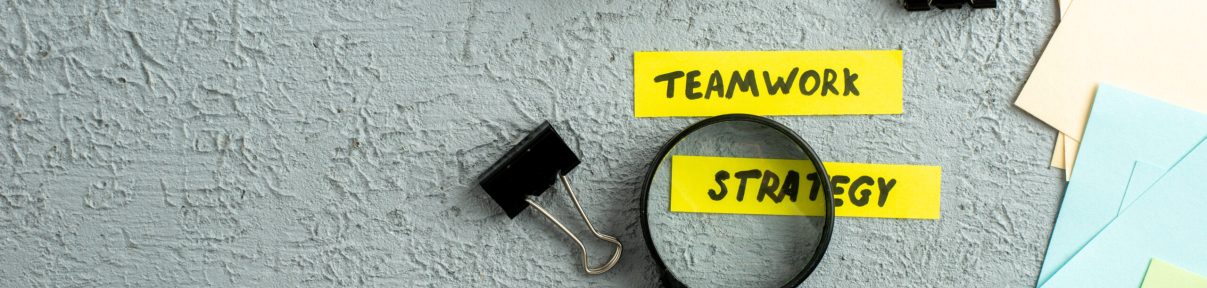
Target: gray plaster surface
(292, 143)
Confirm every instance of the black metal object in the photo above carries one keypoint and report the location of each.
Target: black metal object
(541, 159)
(528, 169)
(979, 4)
(948, 4)
(923, 5)
(916, 5)
(667, 278)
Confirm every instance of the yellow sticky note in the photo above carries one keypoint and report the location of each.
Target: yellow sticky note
(1162, 274)
(709, 83)
(705, 184)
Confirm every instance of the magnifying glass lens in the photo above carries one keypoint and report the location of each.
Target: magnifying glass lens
(737, 249)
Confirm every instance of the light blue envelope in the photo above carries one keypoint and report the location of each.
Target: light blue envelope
(1168, 222)
(1143, 176)
(1124, 127)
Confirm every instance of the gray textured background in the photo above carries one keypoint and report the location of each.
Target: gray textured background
(282, 143)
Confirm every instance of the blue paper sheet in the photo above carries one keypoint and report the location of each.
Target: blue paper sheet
(1143, 176)
(1165, 222)
(1123, 128)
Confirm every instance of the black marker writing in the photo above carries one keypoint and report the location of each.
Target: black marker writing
(834, 182)
(864, 195)
(669, 78)
(858, 193)
(692, 84)
(743, 175)
(884, 188)
(745, 83)
(721, 176)
(779, 85)
(808, 83)
(771, 182)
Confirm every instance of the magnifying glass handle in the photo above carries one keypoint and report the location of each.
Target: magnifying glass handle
(586, 262)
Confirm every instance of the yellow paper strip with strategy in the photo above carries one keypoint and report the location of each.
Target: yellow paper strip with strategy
(705, 184)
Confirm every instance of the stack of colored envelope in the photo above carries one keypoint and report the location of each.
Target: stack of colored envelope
(1156, 48)
(1120, 80)
(1139, 192)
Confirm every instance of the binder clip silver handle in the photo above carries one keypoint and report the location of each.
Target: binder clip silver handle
(523, 173)
(586, 262)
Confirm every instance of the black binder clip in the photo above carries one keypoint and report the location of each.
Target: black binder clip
(532, 167)
(981, 4)
(923, 5)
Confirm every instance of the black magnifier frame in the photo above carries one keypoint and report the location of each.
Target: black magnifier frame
(668, 279)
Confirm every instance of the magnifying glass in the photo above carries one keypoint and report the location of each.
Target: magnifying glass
(728, 247)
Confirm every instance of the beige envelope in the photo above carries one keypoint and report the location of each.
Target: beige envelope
(1058, 152)
(1158, 50)
(1064, 154)
(1070, 155)
(1058, 149)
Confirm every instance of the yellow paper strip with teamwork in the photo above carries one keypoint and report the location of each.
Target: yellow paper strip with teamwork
(703, 184)
(709, 83)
